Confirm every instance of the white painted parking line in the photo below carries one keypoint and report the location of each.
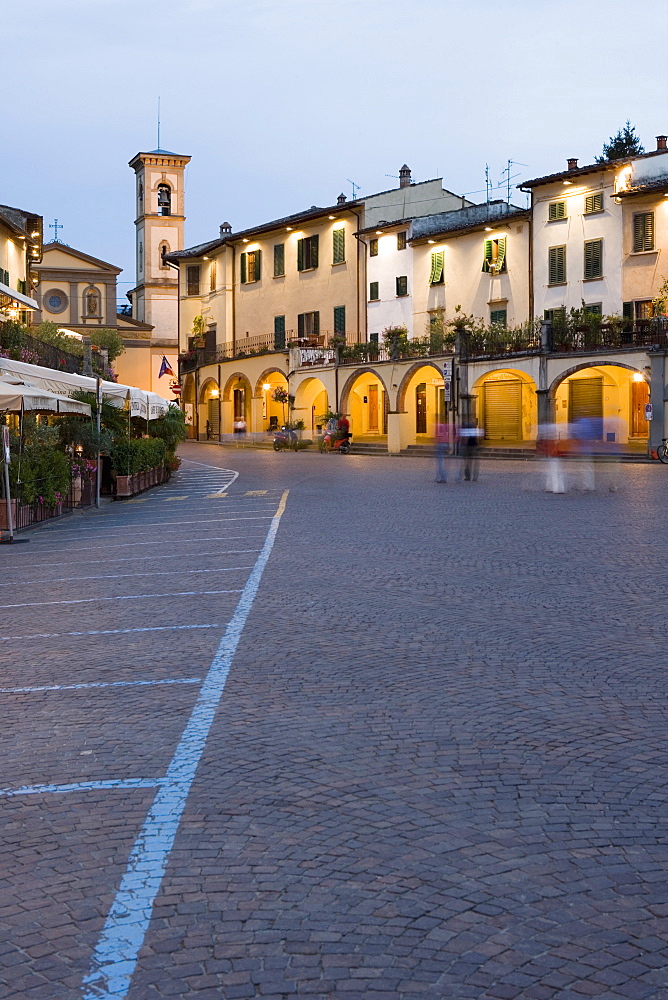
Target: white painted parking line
(160, 524)
(124, 545)
(99, 684)
(96, 562)
(119, 576)
(122, 597)
(110, 631)
(82, 786)
(115, 956)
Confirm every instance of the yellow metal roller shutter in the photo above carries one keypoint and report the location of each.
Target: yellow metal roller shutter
(585, 398)
(503, 410)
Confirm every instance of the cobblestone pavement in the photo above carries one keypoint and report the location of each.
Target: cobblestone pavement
(437, 770)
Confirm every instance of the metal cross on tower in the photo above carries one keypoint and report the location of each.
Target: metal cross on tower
(55, 225)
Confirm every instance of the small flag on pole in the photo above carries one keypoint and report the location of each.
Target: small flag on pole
(166, 368)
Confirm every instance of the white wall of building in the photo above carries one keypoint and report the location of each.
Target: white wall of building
(572, 232)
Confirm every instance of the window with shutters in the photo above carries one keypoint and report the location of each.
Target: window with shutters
(436, 273)
(250, 263)
(555, 315)
(593, 308)
(593, 259)
(643, 309)
(192, 279)
(338, 246)
(373, 247)
(279, 333)
(212, 276)
(557, 265)
(402, 284)
(4, 277)
(494, 258)
(556, 211)
(594, 203)
(307, 253)
(499, 317)
(643, 231)
(373, 291)
(401, 240)
(279, 260)
(339, 319)
(308, 324)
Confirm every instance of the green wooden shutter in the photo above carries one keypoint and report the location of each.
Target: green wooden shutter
(300, 325)
(627, 310)
(316, 322)
(258, 265)
(499, 316)
(279, 259)
(436, 273)
(243, 267)
(557, 210)
(501, 254)
(594, 203)
(300, 255)
(557, 265)
(487, 256)
(593, 258)
(339, 319)
(338, 246)
(314, 251)
(373, 290)
(402, 285)
(279, 333)
(643, 231)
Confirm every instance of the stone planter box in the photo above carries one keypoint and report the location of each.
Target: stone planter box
(128, 486)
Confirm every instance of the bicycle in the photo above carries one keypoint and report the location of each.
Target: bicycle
(662, 452)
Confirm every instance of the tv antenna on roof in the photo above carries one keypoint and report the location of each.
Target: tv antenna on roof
(355, 186)
(158, 123)
(507, 172)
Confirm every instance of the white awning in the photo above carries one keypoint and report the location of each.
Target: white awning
(17, 395)
(142, 404)
(22, 300)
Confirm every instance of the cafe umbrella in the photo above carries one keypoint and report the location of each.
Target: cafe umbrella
(17, 396)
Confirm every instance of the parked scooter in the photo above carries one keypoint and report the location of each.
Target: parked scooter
(333, 441)
(285, 439)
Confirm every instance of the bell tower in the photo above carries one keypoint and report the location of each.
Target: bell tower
(159, 221)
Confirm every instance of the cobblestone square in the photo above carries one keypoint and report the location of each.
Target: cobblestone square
(436, 768)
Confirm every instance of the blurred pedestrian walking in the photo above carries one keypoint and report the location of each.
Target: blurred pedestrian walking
(469, 440)
(445, 439)
(548, 447)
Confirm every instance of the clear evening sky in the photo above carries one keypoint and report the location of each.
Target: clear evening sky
(281, 103)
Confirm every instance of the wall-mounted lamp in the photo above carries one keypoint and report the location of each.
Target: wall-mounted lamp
(266, 386)
(215, 393)
(638, 377)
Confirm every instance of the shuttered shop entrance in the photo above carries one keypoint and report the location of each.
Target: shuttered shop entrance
(503, 410)
(585, 398)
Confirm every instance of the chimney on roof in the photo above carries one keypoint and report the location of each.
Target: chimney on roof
(341, 199)
(405, 176)
(572, 164)
(225, 229)
(661, 142)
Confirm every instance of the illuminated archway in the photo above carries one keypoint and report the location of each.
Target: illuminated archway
(420, 397)
(507, 407)
(188, 405)
(274, 413)
(364, 400)
(612, 396)
(236, 402)
(311, 403)
(209, 409)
